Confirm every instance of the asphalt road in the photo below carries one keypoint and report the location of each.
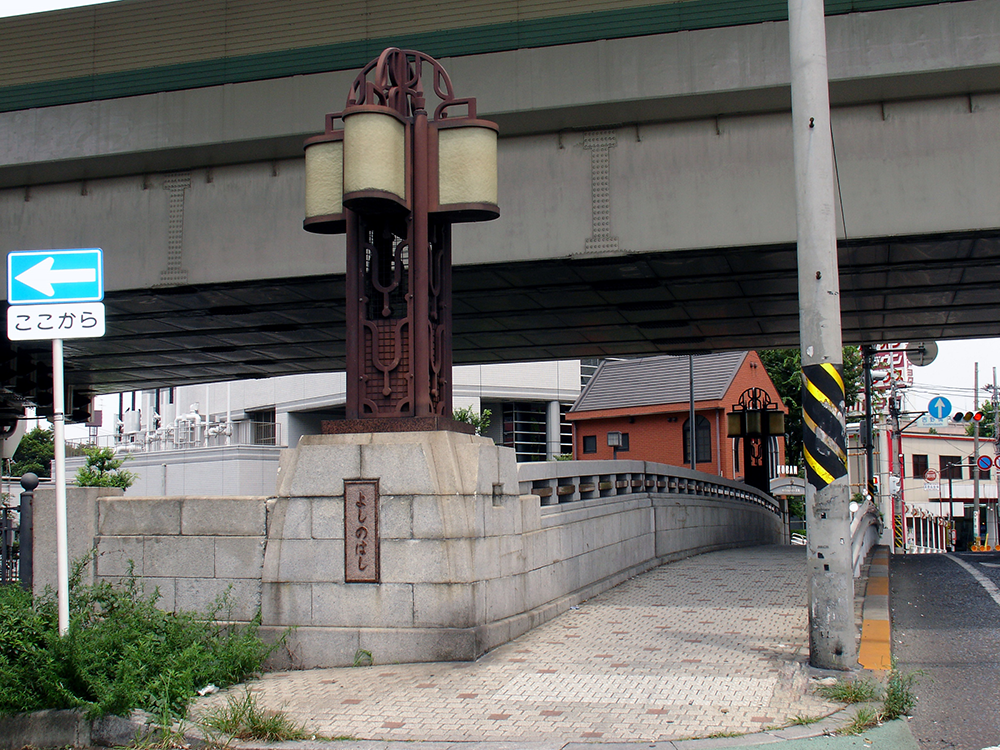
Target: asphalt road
(946, 624)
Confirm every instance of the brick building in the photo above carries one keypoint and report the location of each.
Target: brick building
(648, 400)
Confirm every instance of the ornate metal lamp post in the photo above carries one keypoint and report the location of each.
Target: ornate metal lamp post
(755, 418)
(395, 179)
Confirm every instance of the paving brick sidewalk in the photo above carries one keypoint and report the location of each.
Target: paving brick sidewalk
(713, 644)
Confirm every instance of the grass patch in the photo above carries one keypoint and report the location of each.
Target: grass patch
(243, 718)
(865, 718)
(121, 652)
(851, 691)
(803, 721)
(897, 698)
(363, 658)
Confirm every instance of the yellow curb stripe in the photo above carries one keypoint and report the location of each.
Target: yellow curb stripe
(878, 586)
(875, 652)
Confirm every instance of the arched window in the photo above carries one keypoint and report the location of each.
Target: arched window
(703, 440)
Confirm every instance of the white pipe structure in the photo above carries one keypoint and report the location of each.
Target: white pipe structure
(59, 456)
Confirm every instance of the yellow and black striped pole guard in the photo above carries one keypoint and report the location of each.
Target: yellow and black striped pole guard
(824, 436)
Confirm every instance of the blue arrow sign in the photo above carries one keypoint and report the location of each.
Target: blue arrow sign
(939, 407)
(40, 276)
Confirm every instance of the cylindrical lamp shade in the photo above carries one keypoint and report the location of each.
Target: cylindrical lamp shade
(467, 172)
(374, 159)
(734, 424)
(324, 185)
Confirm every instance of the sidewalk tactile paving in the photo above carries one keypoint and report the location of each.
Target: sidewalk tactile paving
(645, 666)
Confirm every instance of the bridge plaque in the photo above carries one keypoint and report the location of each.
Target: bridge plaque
(361, 548)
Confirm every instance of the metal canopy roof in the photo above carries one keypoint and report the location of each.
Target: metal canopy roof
(929, 288)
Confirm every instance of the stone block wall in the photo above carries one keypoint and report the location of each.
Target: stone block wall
(467, 562)
(81, 519)
(192, 549)
(449, 522)
(691, 525)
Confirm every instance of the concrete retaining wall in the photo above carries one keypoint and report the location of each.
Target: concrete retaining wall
(467, 561)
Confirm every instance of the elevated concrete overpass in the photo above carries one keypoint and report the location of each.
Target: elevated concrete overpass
(646, 176)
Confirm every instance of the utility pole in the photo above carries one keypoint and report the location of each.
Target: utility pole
(975, 458)
(896, 472)
(832, 631)
(996, 452)
(866, 359)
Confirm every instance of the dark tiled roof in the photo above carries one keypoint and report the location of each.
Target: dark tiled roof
(651, 381)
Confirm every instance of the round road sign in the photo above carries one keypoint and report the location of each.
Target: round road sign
(921, 353)
(996, 461)
(984, 462)
(930, 475)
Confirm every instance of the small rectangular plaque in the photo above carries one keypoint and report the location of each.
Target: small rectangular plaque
(361, 553)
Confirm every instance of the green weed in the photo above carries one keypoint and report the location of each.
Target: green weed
(242, 717)
(899, 696)
(121, 651)
(851, 691)
(865, 718)
(803, 721)
(363, 658)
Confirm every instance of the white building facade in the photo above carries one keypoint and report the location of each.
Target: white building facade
(225, 438)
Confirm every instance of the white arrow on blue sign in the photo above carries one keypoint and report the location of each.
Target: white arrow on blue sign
(939, 407)
(55, 276)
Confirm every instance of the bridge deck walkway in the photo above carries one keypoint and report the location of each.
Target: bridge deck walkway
(712, 644)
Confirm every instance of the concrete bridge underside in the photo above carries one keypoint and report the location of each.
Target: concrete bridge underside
(646, 196)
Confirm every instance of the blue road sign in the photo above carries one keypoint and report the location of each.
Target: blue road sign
(41, 276)
(939, 408)
(985, 462)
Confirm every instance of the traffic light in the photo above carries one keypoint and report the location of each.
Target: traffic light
(873, 488)
(969, 416)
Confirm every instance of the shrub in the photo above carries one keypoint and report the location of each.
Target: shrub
(29, 675)
(120, 653)
(104, 470)
(480, 421)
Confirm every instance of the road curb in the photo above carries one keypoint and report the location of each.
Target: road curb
(875, 651)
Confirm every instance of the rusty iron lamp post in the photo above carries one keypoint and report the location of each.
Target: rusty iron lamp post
(395, 179)
(755, 418)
